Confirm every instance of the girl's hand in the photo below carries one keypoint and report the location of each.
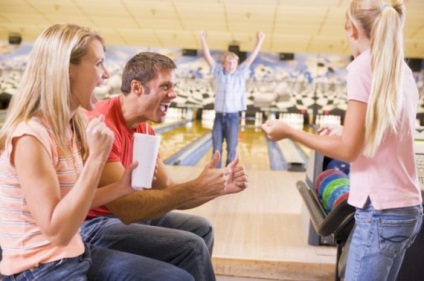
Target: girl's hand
(330, 130)
(276, 129)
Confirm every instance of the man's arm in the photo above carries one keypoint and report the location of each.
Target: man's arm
(236, 181)
(152, 203)
(205, 49)
(260, 39)
(143, 204)
(115, 190)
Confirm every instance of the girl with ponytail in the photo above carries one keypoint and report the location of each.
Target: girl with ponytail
(377, 139)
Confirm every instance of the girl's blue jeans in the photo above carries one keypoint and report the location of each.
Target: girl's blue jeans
(380, 239)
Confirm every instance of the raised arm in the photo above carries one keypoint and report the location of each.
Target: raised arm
(260, 37)
(205, 49)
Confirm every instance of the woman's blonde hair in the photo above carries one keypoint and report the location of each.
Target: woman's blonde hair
(44, 89)
(382, 23)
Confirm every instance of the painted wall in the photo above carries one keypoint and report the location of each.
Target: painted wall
(309, 83)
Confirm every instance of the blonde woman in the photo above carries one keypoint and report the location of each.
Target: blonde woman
(377, 139)
(49, 167)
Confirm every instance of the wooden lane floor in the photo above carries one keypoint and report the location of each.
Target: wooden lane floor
(3, 113)
(252, 146)
(177, 138)
(261, 232)
(252, 149)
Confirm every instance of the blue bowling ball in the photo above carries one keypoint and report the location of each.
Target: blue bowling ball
(339, 165)
(326, 181)
(336, 194)
(329, 189)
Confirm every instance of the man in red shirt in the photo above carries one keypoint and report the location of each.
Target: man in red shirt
(142, 222)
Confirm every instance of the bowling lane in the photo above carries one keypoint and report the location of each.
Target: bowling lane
(252, 149)
(176, 139)
(252, 146)
(2, 117)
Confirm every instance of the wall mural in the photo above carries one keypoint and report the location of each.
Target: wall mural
(309, 83)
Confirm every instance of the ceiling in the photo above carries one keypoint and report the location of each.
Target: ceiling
(297, 26)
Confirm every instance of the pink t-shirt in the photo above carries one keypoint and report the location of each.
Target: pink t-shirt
(389, 179)
(24, 246)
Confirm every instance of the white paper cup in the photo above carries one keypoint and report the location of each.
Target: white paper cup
(145, 152)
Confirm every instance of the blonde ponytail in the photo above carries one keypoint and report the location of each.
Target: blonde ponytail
(383, 24)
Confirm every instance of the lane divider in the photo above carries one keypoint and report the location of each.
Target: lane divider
(167, 127)
(293, 155)
(191, 154)
(276, 159)
(286, 155)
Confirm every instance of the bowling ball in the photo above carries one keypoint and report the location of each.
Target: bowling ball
(331, 187)
(335, 195)
(327, 180)
(339, 165)
(341, 199)
(323, 175)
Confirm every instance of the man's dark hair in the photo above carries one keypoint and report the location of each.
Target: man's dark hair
(144, 67)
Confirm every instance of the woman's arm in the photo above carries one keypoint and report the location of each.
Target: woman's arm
(58, 215)
(58, 218)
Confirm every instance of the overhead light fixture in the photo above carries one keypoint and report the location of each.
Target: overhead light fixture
(15, 38)
(190, 52)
